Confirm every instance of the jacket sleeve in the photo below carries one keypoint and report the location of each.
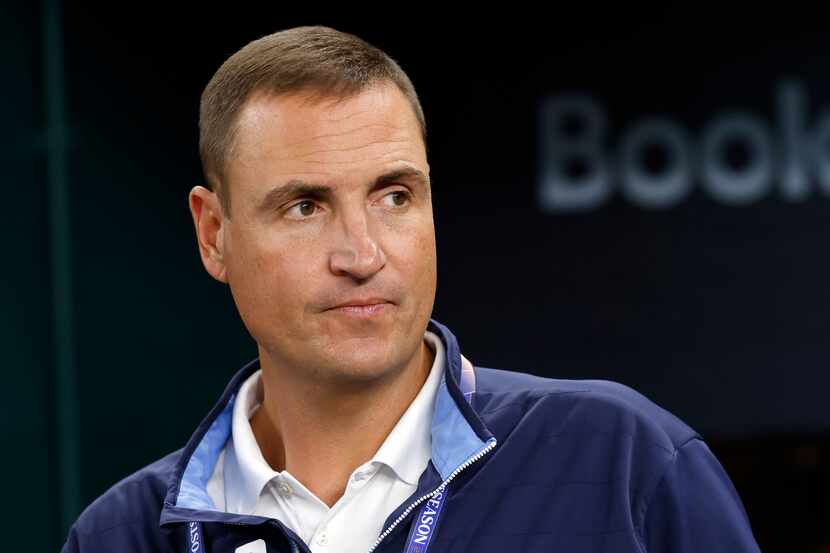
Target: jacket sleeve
(695, 508)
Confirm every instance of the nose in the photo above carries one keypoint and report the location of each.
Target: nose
(357, 253)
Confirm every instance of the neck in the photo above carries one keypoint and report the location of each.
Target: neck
(321, 434)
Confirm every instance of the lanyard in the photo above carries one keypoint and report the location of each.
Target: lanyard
(195, 543)
(424, 526)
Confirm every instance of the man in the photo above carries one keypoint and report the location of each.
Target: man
(360, 426)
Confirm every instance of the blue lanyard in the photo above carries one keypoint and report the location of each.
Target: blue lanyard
(424, 526)
(195, 541)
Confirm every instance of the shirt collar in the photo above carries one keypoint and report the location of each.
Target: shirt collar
(406, 450)
(246, 471)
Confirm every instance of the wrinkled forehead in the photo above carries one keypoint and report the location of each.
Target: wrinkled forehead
(306, 134)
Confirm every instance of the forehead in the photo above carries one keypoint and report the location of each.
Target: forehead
(302, 134)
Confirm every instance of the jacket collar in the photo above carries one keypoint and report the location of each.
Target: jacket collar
(457, 434)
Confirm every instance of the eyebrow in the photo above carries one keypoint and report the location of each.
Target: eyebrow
(297, 188)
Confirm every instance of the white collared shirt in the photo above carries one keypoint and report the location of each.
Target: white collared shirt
(243, 482)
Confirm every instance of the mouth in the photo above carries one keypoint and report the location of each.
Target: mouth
(362, 310)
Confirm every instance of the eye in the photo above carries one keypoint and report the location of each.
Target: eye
(400, 198)
(304, 209)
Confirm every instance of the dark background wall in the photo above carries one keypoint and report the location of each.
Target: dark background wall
(632, 194)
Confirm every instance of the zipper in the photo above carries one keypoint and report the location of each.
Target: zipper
(487, 449)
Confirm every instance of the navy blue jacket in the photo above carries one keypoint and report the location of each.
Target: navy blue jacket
(527, 464)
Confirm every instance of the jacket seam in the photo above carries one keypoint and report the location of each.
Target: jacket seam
(642, 511)
(596, 429)
(532, 398)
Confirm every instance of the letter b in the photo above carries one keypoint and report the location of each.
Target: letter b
(574, 174)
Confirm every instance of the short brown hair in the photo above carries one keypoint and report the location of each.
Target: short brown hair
(315, 58)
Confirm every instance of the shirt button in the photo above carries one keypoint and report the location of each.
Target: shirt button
(322, 539)
(285, 489)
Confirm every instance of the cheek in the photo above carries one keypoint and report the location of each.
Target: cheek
(426, 247)
(273, 277)
(418, 256)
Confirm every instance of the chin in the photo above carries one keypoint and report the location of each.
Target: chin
(365, 361)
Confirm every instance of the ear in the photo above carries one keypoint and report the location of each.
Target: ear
(209, 222)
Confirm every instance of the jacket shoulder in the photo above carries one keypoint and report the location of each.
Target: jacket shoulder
(132, 505)
(592, 407)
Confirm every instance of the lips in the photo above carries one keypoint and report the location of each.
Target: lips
(361, 303)
(363, 309)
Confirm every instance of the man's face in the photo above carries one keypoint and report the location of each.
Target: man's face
(331, 204)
